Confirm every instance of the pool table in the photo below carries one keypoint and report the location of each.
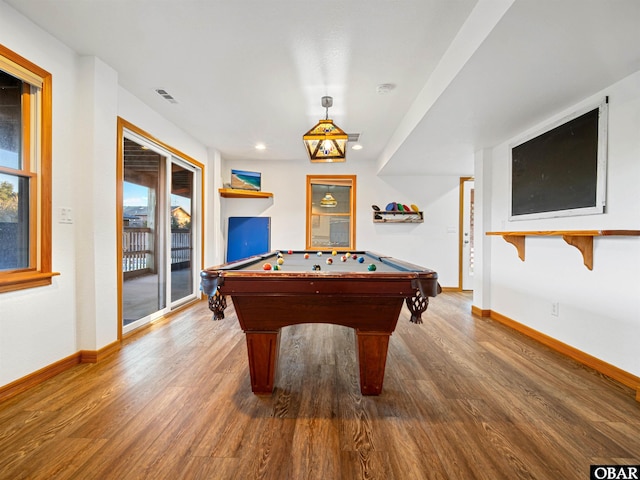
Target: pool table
(364, 291)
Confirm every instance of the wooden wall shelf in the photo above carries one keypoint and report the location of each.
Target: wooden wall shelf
(581, 239)
(384, 216)
(237, 193)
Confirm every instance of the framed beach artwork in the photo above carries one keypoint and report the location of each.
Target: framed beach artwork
(244, 180)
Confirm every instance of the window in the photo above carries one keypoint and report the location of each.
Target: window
(331, 206)
(25, 173)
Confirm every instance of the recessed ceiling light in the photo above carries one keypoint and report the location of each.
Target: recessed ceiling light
(261, 146)
(357, 146)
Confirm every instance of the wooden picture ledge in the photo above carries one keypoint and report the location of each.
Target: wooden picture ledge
(581, 239)
(237, 193)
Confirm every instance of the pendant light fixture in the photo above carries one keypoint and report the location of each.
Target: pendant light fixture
(326, 142)
(328, 201)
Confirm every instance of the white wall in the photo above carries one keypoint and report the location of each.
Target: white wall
(41, 326)
(432, 244)
(38, 326)
(482, 224)
(600, 309)
(95, 226)
(142, 116)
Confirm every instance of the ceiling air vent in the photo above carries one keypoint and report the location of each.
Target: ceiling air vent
(353, 137)
(164, 94)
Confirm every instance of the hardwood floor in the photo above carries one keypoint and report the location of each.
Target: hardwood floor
(463, 398)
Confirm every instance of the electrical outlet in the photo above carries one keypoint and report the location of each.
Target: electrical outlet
(555, 309)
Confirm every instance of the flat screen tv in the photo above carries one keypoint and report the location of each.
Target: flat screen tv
(561, 171)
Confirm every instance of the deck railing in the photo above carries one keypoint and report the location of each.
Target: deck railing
(180, 248)
(138, 249)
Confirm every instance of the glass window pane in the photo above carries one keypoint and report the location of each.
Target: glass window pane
(10, 121)
(330, 231)
(144, 281)
(14, 222)
(330, 199)
(181, 233)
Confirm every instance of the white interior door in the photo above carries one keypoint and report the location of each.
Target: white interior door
(467, 235)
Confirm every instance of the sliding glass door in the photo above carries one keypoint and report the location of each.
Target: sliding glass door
(182, 268)
(159, 231)
(143, 272)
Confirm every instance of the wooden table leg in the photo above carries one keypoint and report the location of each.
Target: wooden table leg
(263, 348)
(372, 359)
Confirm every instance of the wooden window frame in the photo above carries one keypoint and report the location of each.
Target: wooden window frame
(36, 165)
(337, 180)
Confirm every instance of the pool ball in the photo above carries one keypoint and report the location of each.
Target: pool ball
(279, 255)
(329, 261)
(372, 267)
(354, 256)
(306, 256)
(319, 254)
(316, 267)
(343, 258)
(280, 261)
(276, 267)
(290, 252)
(360, 259)
(266, 266)
(334, 253)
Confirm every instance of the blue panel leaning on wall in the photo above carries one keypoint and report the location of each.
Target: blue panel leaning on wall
(248, 236)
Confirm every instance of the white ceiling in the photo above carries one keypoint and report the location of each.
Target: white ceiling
(468, 73)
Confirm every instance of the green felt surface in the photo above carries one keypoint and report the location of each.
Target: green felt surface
(296, 262)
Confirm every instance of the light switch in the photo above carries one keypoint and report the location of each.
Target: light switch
(65, 215)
